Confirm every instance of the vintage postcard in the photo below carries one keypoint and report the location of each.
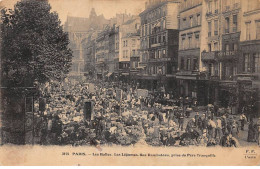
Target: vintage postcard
(130, 82)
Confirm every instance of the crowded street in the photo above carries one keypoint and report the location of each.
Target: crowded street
(120, 114)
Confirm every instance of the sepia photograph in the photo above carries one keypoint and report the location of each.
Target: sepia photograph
(130, 82)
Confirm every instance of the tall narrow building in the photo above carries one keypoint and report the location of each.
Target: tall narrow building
(159, 45)
(248, 77)
(188, 75)
(221, 51)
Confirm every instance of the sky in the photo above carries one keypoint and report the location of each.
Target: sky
(82, 8)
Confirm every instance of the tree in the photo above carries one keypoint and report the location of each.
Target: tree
(34, 45)
(34, 51)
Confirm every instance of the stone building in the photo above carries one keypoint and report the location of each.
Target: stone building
(230, 53)
(220, 56)
(89, 48)
(102, 53)
(130, 49)
(188, 75)
(159, 45)
(249, 67)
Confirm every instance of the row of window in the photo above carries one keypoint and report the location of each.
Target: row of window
(228, 24)
(249, 31)
(161, 70)
(190, 41)
(191, 21)
(126, 53)
(152, 28)
(227, 27)
(189, 66)
(157, 54)
(158, 39)
(123, 65)
(155, 14)
(252, 63)
(227, 71)
(227, 47)
(213, 5)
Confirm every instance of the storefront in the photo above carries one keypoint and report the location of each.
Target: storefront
(228, 95)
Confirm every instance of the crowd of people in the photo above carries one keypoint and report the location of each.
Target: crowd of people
(128, 118)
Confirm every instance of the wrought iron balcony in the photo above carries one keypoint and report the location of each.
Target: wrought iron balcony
(219, 56)
(209, 56)
(227, 55)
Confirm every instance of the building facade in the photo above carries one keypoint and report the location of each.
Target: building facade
(130, 49)
(128, 37)
(249, 67)
(230, 53)
(90, 54)
(102, 53)
(188, 75)
(220, 56)
(159, 45)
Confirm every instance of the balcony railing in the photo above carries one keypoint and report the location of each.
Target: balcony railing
(227, 55)
(219, 55)
(209, 56)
